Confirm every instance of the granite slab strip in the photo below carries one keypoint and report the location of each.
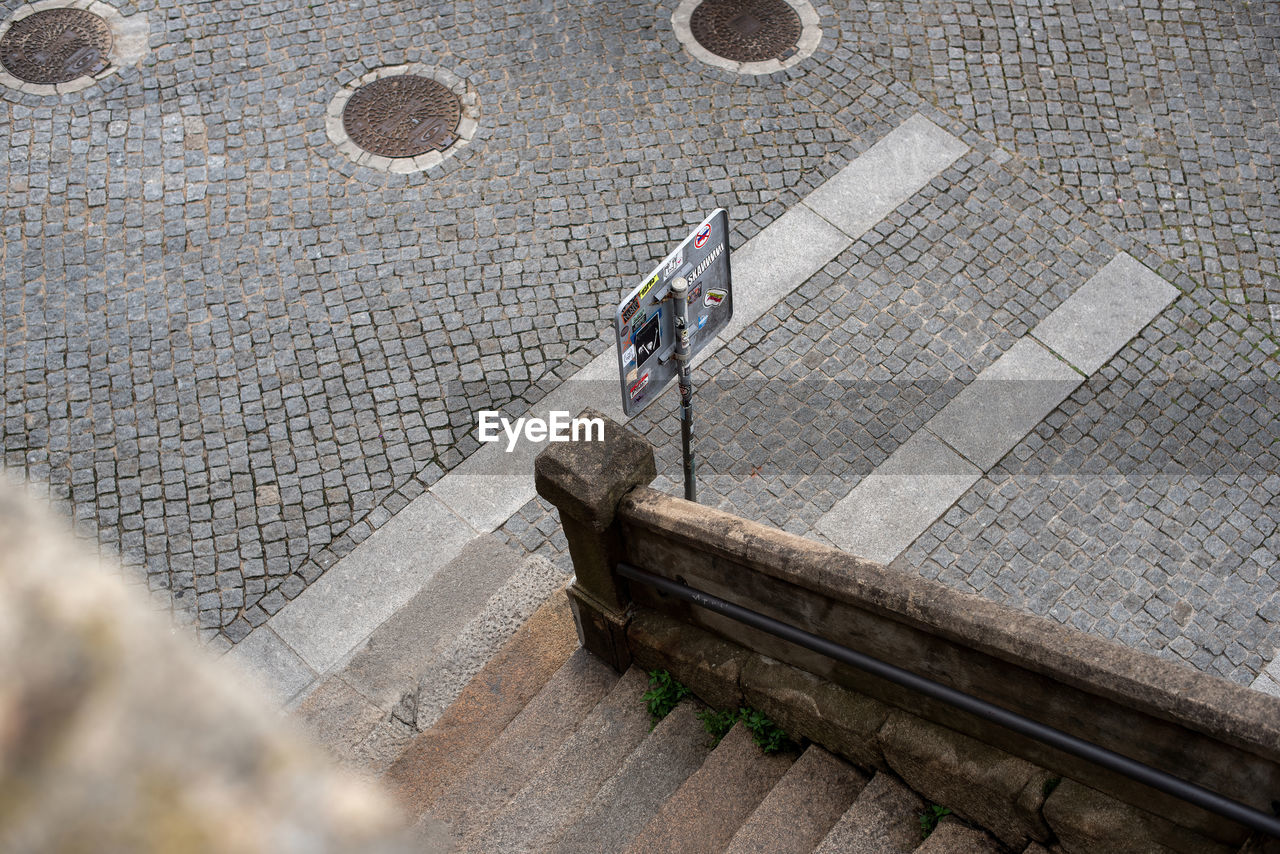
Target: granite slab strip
(356, 595)
(674, 750)
(951, 837)
(702, 816)
(1105, 314)
(390, 662)
(889, 508)
(1265, 683)
(266, 658)
(887, 174)
(482, 492)
(339, 717)
(474, 794)
(884, 819)
(801, 809)
(563, 787)
(508, 684)
(1010, 397)
(463, 656)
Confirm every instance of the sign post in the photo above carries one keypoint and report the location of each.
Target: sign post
(680, 296)
(668, 318)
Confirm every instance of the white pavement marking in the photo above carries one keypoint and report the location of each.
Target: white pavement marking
(886, 511)
(336, 613)
(333, 616)
(1101, 317)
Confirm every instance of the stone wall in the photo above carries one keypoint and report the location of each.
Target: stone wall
(1179, 720)
(118, 734)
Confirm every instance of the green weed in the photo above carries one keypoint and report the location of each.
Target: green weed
(663, 695)
(717, 724)
(767, 735)
(929, 819)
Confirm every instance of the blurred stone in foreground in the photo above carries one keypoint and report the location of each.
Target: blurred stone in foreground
(118, 735)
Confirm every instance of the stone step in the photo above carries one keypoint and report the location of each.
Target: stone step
(365, 710)
(704, 813)
(802, 808)
(884, 819)
(497, 694)
(952, 837)
(561, 790)
(459, 660)
(675, 749)
(474, 796)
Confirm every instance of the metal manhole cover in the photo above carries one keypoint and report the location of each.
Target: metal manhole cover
(402, 116)
(747, 30)
(56, 46)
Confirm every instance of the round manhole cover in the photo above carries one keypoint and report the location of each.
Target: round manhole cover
(747, 30)
(56, 46)
(402, 116)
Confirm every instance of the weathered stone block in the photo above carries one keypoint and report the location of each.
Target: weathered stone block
(842, 721)
(982, 783)
(1087, 821)
(585, 480)
(709, 666)
(601, 629)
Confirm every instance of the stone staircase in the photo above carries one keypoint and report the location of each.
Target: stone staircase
(576, 767)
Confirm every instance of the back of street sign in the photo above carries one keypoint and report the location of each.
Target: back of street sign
(644, 323)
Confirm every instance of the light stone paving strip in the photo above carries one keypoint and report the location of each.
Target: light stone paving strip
(920, 481)
(1268, 681)
(331, 617)
(318, 630)
(992, 414)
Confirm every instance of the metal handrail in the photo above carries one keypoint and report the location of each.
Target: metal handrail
(1131, 768)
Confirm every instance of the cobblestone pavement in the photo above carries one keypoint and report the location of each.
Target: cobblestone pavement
(232, 353)
(1143, 508)
(1164, 117)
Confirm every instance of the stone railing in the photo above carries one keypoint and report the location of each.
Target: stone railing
(118, 734)
(1164, 714)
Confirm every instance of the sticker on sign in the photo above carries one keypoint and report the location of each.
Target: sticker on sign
(644, 327)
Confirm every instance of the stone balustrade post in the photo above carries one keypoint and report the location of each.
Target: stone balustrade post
(585, 480)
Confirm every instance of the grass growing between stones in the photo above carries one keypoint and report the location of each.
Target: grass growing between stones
(767, 735)
(930, 817)
(664, 694)
(717, 724)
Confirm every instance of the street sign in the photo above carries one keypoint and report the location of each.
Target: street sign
(645, 321)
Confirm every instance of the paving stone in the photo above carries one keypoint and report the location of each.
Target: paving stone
(1107, 312)
(228, 350)
(1011, 396)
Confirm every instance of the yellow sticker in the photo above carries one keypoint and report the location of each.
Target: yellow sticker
(648, 286)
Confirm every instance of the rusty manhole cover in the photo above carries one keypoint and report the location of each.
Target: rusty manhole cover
(747, 30)
(402, 116)
(56, 46)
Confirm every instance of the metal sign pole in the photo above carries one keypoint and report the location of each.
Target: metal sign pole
(680, 295)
